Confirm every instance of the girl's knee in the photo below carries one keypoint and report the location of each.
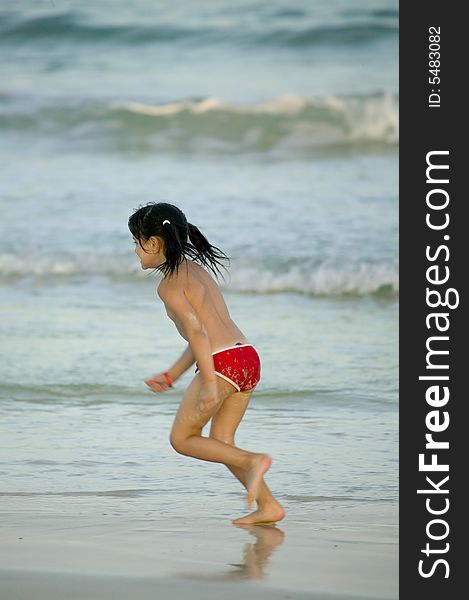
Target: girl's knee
(177, 441)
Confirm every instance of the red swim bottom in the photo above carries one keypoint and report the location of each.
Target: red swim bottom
(238, 364)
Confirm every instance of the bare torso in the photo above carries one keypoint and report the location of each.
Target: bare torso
(207, 301)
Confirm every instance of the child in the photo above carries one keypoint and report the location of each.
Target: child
(227, 365)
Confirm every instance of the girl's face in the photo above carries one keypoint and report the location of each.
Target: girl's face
(150, 255)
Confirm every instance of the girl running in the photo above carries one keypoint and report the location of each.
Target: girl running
(227, 365)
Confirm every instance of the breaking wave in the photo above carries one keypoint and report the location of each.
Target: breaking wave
(289, 122)
(361, 279)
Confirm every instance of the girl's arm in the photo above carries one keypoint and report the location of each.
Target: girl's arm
(179, 305)
(159, 381)
(184, 362)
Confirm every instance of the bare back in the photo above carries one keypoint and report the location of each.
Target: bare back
(206, 299)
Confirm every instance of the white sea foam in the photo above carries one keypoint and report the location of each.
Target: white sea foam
(361, 279)
(352, 118)
(12, 265)
(348, 279)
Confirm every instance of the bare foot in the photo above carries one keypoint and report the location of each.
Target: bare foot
(254, 477)
(271, 513)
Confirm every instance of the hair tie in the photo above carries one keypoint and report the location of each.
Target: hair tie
(166, 221)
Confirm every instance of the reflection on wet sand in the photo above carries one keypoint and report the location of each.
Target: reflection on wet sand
(255, 556)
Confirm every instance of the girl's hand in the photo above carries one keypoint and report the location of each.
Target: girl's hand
(208, 396)
(157, 383)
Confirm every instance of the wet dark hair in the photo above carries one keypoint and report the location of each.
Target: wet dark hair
(181, 239)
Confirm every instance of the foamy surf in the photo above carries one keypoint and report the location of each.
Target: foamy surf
(287, 123)
(367, 118)
(355, 279)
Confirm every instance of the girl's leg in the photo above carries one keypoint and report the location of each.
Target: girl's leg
(223, 427)
(186, 438)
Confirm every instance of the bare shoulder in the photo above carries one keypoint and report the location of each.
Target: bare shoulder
(177, 283)
(199, 283)
(200, 274)
(168, 287)
(191, 279)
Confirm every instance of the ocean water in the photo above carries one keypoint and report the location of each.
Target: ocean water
(274, 126)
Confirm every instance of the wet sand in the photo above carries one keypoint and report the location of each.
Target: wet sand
(346, 554)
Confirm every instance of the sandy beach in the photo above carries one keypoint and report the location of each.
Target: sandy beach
(346, 554)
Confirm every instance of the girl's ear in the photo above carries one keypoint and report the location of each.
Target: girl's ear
(156, 243)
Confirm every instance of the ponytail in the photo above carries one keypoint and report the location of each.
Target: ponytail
(202, 250)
